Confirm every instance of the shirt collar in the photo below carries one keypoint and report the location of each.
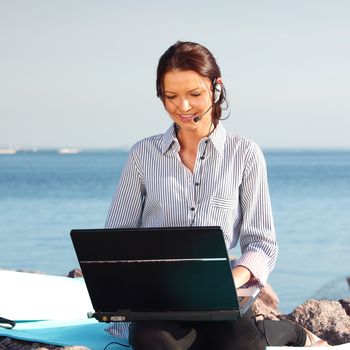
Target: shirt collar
(169, 139)
(217, 137)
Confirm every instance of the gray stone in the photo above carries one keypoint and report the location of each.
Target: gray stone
(75, 273)
(327, 319)
(14, 344)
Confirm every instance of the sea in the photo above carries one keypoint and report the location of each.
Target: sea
(44, 194)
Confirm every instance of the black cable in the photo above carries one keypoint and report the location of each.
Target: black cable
(115, 342)
(229, 113)
(6, 323)
(264, 327)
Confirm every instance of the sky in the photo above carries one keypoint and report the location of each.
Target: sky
(81, 73)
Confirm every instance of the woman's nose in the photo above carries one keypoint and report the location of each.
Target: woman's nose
(185, 105)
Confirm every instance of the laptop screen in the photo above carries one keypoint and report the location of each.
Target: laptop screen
(156, 269)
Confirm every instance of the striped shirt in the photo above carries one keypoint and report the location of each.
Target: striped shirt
(227, 188)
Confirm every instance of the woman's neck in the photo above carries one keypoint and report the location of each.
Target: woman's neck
(189, 139)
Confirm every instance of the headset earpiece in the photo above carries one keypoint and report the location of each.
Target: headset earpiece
(217, 92)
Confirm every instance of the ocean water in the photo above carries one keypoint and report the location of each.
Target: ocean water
(43, 195)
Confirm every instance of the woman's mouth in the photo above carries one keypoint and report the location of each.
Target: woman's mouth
(186, 117)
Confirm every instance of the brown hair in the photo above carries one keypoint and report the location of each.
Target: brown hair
(191, 56)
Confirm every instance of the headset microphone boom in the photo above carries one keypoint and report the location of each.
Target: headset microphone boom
(217, 94)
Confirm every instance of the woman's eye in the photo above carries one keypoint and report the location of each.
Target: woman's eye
(170, 97)
(196, 94)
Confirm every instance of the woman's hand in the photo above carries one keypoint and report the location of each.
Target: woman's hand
(241, 275)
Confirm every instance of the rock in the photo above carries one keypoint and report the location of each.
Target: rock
(75, 273)
(330, 320)
(327, 319)
(267, 303)
(14, 344)
(269, 296)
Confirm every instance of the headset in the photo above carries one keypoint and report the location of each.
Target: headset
(217, 91)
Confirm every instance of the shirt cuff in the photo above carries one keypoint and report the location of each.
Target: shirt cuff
(256, 263)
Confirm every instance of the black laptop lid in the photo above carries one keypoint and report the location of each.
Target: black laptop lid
(156, 269)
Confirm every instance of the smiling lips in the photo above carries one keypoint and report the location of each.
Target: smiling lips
(186, 117)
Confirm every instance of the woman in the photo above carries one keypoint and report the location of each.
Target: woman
(196, 174)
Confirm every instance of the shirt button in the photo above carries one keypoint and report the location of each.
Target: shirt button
(192, 208)
(197, 183)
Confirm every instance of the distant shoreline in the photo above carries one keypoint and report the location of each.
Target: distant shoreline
(78, 150)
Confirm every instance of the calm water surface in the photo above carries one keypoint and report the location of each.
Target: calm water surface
(44, 195)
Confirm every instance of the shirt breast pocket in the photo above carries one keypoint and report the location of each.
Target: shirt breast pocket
(221, 213)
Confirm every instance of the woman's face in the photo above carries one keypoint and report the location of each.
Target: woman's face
(187, 95)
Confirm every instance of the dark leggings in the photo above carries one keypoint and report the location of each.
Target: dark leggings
(243, 334)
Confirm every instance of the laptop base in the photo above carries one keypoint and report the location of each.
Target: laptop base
(132, 316)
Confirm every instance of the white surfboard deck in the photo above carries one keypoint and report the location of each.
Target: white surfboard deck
(30, 296)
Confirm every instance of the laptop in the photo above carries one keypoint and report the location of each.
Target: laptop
(179, 274)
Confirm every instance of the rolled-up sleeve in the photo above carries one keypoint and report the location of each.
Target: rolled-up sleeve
(257, 233)
(126, 207)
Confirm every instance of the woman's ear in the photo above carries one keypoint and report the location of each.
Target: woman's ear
(217, 90)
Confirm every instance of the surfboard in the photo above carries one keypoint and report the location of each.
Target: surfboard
(30, 296)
